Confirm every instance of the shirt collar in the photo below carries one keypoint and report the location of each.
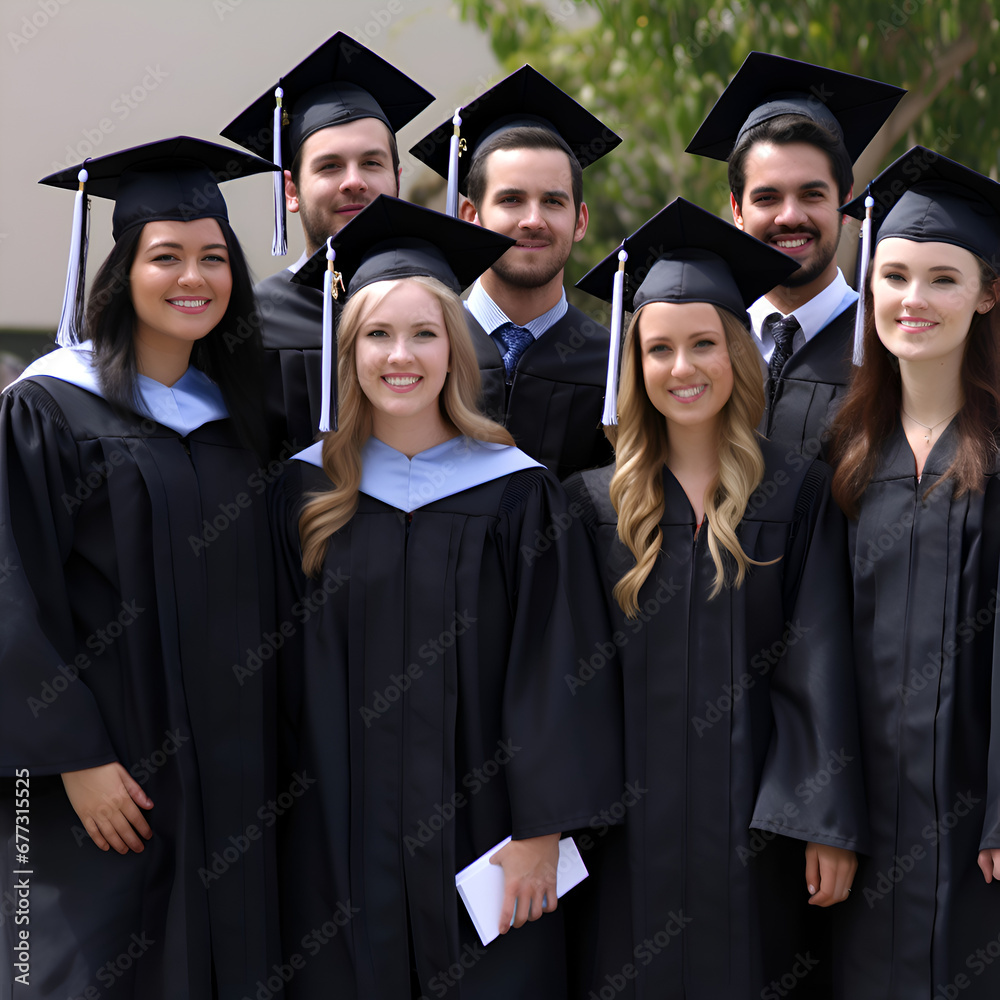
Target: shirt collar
(490, 316)
(813, 315)
(295, 268)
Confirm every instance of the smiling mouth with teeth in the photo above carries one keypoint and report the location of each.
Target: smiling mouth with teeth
(687, 393)
(791, 244)
(401, 380)
(189, 303)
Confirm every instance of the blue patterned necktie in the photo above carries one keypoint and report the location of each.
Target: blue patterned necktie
(782, 330)
(515, 340)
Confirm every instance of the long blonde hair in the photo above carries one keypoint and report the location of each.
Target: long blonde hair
(641, 443)
(329, 510)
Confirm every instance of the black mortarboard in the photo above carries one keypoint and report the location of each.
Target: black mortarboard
(176, 178)
(765, 86)
(682, 254)
(391, 239)
(523, 98)
(925, 197)
(340, 82)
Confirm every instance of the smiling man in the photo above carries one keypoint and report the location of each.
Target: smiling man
(791, 131)
(543, 368)
(341, 108)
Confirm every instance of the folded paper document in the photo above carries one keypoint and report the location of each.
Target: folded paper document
(481, 885)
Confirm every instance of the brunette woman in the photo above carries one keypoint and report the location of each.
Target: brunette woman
(445, 593)
(916, 454)
(135, 559)
(723, 557)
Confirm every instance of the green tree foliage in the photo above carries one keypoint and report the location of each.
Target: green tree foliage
(652, 71)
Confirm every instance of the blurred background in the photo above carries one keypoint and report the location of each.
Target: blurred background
(88, 77)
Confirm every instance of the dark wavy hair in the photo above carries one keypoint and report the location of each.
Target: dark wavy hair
(871, 407)
(231, 354)
(781, 131)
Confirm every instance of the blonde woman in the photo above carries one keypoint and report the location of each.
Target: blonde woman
(725, 564)
(444, 592)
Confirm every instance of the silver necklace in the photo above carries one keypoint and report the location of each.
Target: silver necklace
(930, 430)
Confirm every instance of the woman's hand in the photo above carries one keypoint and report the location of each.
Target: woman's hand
(829, 873)
(989, 863)
(529, 876)
(107, 800)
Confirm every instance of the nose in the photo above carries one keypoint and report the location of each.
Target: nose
(399, 351)
(190, 276)
(790, 214)
(532, 217)
(352, 180)
(683, 365)
(913, 297)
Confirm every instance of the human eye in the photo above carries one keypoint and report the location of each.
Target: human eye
(705, 342)
(215, 258)
(426, 333)
(944, 280)
(376, 333)
(164, 258)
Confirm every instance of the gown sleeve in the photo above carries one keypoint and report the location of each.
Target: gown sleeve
(812, 786)
(562, 697)
(49, 719)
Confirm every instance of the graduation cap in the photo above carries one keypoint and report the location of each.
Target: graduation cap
(852, 107)
(387, 240)
(516, 101)
(176, 179)
(682, 254)
(925, 197)
(341, 82)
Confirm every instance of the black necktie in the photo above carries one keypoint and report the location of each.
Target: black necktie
(782, 330)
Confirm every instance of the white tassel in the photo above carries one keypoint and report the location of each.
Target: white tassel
(859, 318)
(454, 152)
(67, 335)
(329, 358)
(279, 245)
(610, 416)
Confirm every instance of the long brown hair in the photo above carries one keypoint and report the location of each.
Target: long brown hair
(642, 445)
(871, 407)
(330, 510)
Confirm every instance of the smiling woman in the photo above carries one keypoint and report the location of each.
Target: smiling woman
(713, 543)
(434, 519)
(119, 456)
(918, 471)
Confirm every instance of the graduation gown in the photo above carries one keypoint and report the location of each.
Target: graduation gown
(741, 731)
(921, 921)
(554, 404)
(292, 317)
(134, 558)
(432, 709)
(811, 388)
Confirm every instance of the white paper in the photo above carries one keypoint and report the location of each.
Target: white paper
(481, 885)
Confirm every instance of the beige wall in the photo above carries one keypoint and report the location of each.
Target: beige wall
(87, 77)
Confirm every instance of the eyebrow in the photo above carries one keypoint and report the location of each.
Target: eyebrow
(807, 186)
(179, 246)
(905, 267)
(328, 157)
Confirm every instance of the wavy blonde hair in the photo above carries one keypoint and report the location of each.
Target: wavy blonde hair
(328, 511)
(642, 445)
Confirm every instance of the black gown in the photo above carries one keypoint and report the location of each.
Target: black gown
(922, 922)
(292, 328)
(134, 561)
(432, 708)
(554, 404)
(740, 725)
(811, 388)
